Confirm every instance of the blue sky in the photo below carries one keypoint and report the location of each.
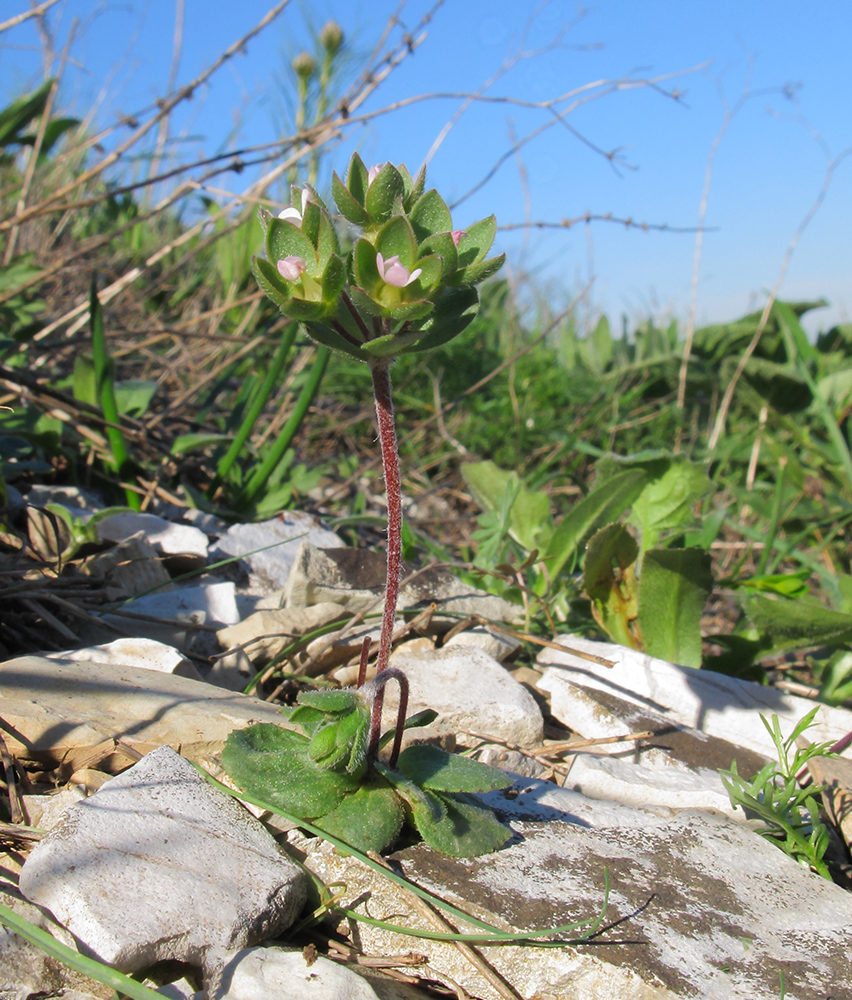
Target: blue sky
(768, 169)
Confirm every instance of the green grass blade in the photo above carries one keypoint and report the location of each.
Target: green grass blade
(260, 475)
(105, 387)
(74, 960)
(256, 408)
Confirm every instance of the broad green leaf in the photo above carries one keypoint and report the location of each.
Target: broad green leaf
(530, 520)
(604, 503)
(369, 819)
(385, 193)
(273, 764)
(666, 501)
(673, 591)
(396, 239)
(283, 239)
(441, 245)
(609, 578)
(468, 829)
(431, 267)
(133, 396)
(430, 216)
(784, 624)
(438, 771)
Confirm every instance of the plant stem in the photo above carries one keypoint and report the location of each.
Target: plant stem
(390, 463)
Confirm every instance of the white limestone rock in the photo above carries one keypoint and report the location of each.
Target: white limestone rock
(269, 547)
(54, 709)
(147, 654)
(158, 865)
(262, 973)
(168, 538)
(699, 906)
(469, 690)
(720, 706)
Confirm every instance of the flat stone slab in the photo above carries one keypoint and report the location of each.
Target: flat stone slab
(157, 864)
(51, 708)
(699, 906)
(469, 690)
(715, 704)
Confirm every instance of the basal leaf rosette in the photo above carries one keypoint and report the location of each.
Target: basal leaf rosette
(408, 283)
(322, 775)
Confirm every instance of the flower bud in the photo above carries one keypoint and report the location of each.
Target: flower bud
(331, 37)
(304, 65)
(291, 268)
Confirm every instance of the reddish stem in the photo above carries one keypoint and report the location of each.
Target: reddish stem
(376, 688)
(390, 463)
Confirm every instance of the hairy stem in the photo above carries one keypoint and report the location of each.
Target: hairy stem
(376, 688)
(390, 463)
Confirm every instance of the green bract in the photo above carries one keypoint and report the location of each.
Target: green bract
(322, 775)
(406, 285)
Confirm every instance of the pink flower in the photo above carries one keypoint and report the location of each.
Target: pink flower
(291, 268)
(394, 273)
(373, 173)
(457, 234)
(293, 214)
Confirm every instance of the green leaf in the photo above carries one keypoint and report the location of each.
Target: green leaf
(366, 269)
(441, 245)
(324, 335)
(474, 274)
(133, 396)
(530, 520)
(665, 503)
(271, 282)
(331, 702)
(333, 279)
(674, 588)
(430, 215)
(385, 194)
(605, 502)
(187, 443)
(438, 771)
(396, 239)
(476, 241)
(784, 624)
(609, 578)
(783, 584)
(369, 819)
(283, 239)
(468, 829)
(347, 205)
(431, 267)
(273, 764)
(358, 179)
(454, 310)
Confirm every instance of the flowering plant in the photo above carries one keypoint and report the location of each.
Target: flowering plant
(407, 284)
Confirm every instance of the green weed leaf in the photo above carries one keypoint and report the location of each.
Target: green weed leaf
(438, 771)
(673, 592)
